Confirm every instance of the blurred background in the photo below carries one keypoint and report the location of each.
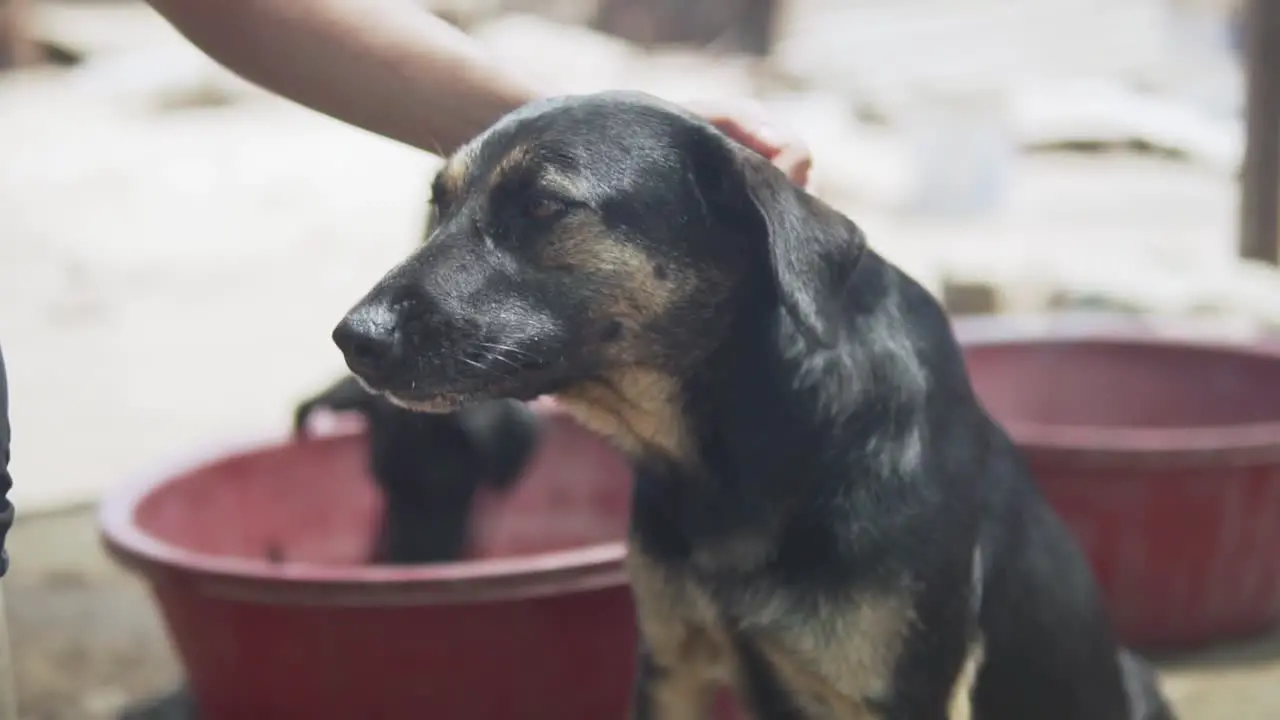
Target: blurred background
(175, 244)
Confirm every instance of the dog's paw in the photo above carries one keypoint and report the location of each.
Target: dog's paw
(302, 418)
(1141, 684)
(345, 395)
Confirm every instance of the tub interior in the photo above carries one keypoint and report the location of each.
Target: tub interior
(314, 502)
(1116, 384)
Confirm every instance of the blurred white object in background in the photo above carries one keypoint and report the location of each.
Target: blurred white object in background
(961, 149)
(945, 68)
(1203, 63)
(1103, 112)
(879, 46)
(565, 58)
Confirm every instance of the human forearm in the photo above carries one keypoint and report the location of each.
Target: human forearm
(387, 66)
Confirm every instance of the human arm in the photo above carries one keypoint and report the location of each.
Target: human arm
(387, 66)
(392, 68)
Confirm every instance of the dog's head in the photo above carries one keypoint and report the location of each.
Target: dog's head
(580, 237)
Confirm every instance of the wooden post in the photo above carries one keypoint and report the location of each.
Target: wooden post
(16, 45)
(1260, 177)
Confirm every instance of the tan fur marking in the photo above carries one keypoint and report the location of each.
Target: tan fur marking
(516, 159)
(637, 294)
(685, 638)
(847, 655)
(453, 176)
(961, 706)
(638, 408)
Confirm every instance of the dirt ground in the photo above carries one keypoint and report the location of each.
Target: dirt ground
(84, 634)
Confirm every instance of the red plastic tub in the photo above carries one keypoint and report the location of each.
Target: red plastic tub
(254, 559)
(254, 556)
(1160, 446)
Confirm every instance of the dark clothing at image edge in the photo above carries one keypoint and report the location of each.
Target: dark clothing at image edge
(6, 482)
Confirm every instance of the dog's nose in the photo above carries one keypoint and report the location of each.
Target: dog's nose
(367, 337)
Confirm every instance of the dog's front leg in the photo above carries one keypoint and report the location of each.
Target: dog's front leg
(682, 648)
(642, 687)
(668, 691)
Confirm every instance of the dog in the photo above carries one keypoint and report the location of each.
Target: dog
(824, 516)
(428, 467)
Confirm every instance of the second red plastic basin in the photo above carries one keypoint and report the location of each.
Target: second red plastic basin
(1160, 447)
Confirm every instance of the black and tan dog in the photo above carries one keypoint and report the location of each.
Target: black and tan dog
(823, 515)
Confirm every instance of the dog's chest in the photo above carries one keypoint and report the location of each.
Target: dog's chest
(683, 626)
(681, 538)
(834, 658)
(684, 519)
(714, 579)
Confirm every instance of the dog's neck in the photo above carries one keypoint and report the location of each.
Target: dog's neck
(640, 409)
(817, 402)
(770, 402)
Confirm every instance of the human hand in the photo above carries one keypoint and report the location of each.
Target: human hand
(748, 122)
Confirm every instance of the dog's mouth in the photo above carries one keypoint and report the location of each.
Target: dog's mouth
(524, 380)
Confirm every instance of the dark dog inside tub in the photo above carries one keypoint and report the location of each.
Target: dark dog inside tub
(824, 516)
(428, 467)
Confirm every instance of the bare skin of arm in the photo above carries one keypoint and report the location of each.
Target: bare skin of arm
(396, 70)
(387, 66)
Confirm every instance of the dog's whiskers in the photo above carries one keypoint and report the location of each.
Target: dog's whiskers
(499, 358)
(499, 353)
(474, 364)
(507, 348)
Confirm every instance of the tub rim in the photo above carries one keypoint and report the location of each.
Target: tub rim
(167, 565)
(1075, 445)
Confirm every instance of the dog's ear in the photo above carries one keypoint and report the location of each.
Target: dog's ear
(811, 248)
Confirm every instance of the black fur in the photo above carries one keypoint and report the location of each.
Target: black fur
(428, 467)
(807, 445)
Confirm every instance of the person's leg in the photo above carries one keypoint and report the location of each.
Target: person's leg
(6, 482)
(8, 695)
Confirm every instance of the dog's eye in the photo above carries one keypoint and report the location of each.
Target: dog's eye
(544, 208)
